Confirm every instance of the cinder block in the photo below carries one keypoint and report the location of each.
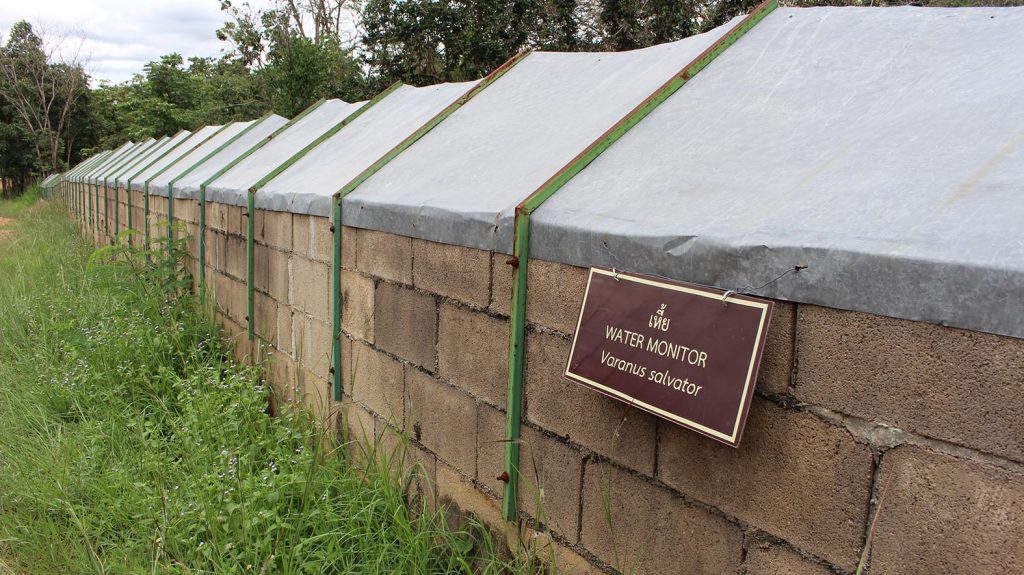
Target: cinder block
(777, 360)
(274, 229)
(235, 259)
(565, 561)
(222, 293)
(238, 307)
(217, 251)
(359, 434)
(395, 452)
(316, 348)
(951, 384)
(473, 352)
(636, 526)
(325, 250)
(192, 240)
(357, 304)
(232, 332)
(236, 220)
(278, 274)
(383, 255)
(315, 392)
(405, 324)
(501, 283)
(311, 287)
(550, 472)
(321, 240)
(217, 216)
(285, 339)
(777, 560)
(453, 271)
(554, 293)
(186, 210)
(301, 234)
(443, 419)
(607, 426)
(265, 318)
(794, 476)
(945, 515)
(457, 495)
(374, 379)
(261, 268)
(281, 376)
(157, 206)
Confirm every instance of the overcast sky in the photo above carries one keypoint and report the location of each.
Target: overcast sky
(122, 35)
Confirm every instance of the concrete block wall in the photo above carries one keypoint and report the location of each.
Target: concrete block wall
(861, 424)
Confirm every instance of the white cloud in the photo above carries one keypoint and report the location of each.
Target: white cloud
(121, 36)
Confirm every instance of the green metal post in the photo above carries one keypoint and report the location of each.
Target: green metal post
(170, 219)
(145, 215)
(521, 243)
(202, 244)
(250, 248)
(336, 229)
(128, 200)
(106, 211)
(336, 367)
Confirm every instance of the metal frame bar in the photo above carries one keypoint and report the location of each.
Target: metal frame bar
(521, 244)
(337, 227)
(250, 244)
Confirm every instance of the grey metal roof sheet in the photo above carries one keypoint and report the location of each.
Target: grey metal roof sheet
(188, 186)
(113, 157)
(158, 185)
(232, 187)
(881, 147)
(158, 153)
(186, 146)
(137, 161)
(460, 182)
(127, 159)
(96, 175)
(308, 185)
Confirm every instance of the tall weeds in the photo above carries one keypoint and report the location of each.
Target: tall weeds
(130, 442)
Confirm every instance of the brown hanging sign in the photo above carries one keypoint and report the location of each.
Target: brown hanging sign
(687, 353)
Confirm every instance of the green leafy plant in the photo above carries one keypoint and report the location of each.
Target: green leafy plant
(131, 442)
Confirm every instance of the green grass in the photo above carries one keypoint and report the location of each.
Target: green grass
(131, 443)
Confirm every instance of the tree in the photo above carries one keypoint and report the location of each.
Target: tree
(298, 50)
(430, 41)
(425, 41)
(42, 82)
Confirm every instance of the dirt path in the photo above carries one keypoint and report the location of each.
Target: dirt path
(4, 233)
